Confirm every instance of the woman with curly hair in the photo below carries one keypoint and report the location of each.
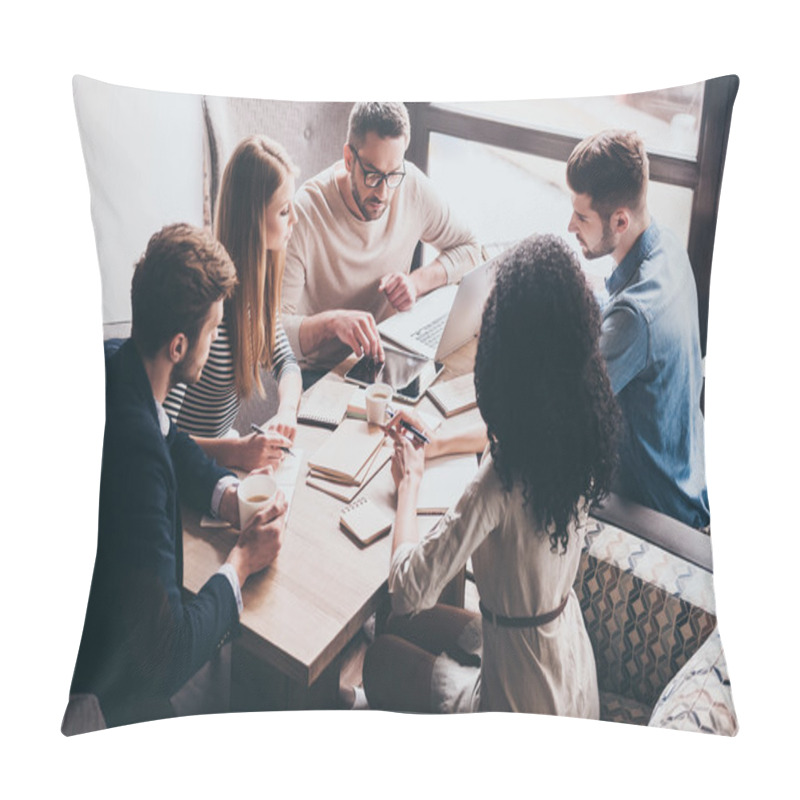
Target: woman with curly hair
(551, 420)
(255, 217)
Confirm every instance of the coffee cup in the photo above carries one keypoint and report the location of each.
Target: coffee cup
(377, 399)
(254, 493)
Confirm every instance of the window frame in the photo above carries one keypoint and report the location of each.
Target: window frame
(702, 174)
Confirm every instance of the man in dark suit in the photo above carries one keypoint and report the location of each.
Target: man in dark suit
(141, 640)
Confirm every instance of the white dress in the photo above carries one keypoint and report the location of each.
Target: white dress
(549, 669)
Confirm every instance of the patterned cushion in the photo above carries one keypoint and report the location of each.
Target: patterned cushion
(641, 634)
(617, 708)
(651, 563)
(699, 698)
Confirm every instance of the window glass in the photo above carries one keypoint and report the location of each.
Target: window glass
(668, 120)
(504, 195)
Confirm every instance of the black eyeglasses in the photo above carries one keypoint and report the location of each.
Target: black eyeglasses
(373, 178)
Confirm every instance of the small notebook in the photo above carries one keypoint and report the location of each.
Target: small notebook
(336, 477)
(364, 520)
(362, 476)
(454, 396)
(349, 448)
(349, 491)
(325, 404)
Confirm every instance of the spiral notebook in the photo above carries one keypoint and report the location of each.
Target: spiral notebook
(325, 404)
(365, 521)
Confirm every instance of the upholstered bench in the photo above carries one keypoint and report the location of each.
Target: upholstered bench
(650, 617)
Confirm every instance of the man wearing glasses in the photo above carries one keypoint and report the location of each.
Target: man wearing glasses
(359, 221)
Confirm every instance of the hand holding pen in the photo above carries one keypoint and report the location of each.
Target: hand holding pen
(407, 425)
(274, 439)
(408, 460)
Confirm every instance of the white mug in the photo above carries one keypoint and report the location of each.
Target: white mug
(254, 492)
(377, 398)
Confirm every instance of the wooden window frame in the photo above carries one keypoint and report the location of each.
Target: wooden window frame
(703, 174)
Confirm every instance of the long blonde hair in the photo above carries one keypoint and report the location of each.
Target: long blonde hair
(255, 171)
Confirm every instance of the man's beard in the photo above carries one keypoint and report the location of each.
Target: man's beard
(360, 204)
(605, 246)
(186, 372)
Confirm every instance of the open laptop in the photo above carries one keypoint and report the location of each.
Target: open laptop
(444, 320)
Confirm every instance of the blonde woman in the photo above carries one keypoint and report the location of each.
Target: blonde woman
(254, 220)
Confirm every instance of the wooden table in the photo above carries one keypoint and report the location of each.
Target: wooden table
(303, 610)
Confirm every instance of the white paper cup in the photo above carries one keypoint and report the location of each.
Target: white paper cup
(378, 396)
(254, 492)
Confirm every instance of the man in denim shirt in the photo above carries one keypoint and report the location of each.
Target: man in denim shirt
(650, 335)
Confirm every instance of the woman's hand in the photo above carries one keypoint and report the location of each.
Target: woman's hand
(394, 429)
(283, 423)
(472, 439)
(258, 450)
(408, 462)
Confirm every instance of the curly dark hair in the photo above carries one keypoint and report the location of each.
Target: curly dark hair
(542, 386)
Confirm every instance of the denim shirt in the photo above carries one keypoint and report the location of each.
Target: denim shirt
(651, 342)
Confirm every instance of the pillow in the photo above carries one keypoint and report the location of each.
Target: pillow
(499, 169)
(641, 634)
(698, 698)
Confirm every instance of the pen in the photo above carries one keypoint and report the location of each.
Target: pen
(259, 429)
(418, 433)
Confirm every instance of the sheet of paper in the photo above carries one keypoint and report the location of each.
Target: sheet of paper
(286, 474)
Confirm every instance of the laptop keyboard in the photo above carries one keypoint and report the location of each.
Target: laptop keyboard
(430, 334)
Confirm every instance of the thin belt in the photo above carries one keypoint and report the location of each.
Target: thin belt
(521, 622)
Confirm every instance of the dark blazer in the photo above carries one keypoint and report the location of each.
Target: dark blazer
(141, 641)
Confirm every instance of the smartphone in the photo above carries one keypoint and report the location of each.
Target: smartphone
(408, 374)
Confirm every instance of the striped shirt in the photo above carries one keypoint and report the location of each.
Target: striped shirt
(209, 407)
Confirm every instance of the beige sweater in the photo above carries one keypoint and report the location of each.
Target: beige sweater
(337, 261)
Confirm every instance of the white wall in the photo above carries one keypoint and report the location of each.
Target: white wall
(144, 160)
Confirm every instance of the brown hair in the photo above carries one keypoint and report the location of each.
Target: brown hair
(388, 120)
(255, 171)
(183, 272)
(612, 168)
